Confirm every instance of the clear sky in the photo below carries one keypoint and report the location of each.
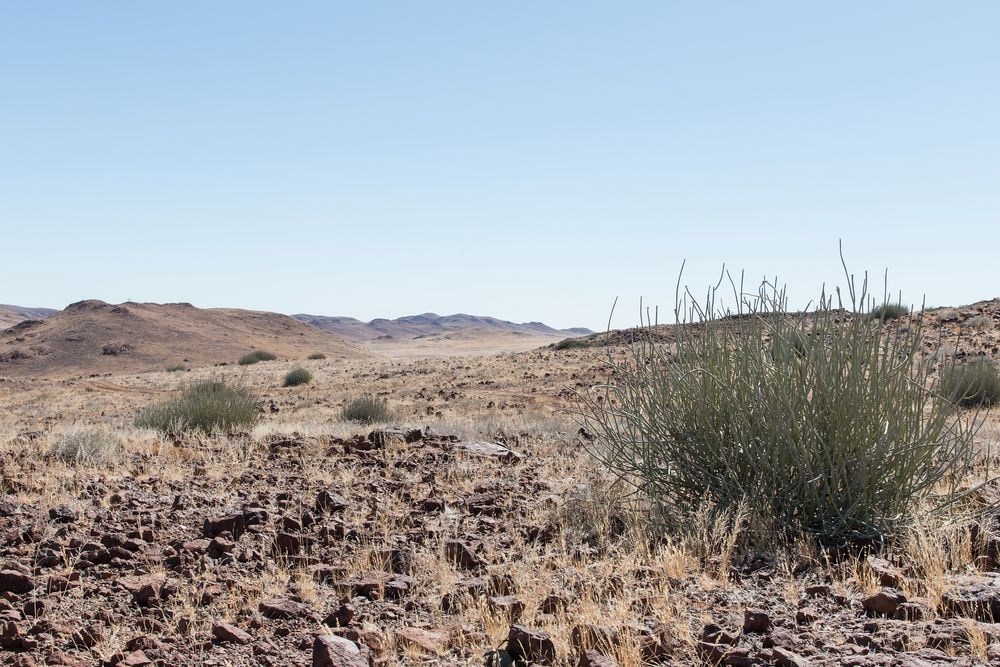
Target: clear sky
(527, 160)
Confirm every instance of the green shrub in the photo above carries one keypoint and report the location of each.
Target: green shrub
(254, 357)
(206, 406)
(888, 311)
(831, 432)
(296, 377)
(572, 343)
(316, 355)
(975, 383)
(176, 368)
(366, 409)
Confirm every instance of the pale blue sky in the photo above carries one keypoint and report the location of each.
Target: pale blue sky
(528, 160)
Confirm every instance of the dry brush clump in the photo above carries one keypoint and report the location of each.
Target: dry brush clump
(972, 384)
(826, 423)
(207, 406)
(297, 376)
(366, 410)
(255, 357)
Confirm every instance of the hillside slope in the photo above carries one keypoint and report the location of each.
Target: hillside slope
(91, 337)
(11, 315)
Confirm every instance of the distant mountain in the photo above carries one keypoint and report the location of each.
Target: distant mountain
(427, 325)
(11, 315)
(96, 337)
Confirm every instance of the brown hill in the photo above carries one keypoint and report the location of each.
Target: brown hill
(91, 337)
(11, 315)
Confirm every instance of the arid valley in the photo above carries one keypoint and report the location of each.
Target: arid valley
(470, 528)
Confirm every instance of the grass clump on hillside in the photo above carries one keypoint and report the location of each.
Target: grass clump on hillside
(206, 406)
(888, 311)
(316, 356)
(176, 368)
(254, 357)
(973, 384)
(810, 424)
(296, 377)
(366, 410)
(572, 343)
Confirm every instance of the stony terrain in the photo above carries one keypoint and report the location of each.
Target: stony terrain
(473, 531)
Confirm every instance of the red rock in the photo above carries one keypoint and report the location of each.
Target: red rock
(234, 524)
(225, 632)
(884, 603)
(430, 641)
(508, 605)
(334, 651)
(591, 658)
(135, 659)
(973, 596)
(785, 658)
(280, 608)
(531, 645)
(553, 604)
(12, 581)
(885, 572)
(756, 621)
(340, 617)
(462, 555)
(330, 502)
(147, 588)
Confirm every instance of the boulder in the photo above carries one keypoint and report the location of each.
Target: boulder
(530, 645)
(334, 651)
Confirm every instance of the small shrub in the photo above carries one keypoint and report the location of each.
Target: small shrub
(86, 446)
(207, 406)
(889, 311)
(176, 368)
(254, 357)
(316, 356)
(973, 384)
(571, 343)
(366, 409)
(296, 377)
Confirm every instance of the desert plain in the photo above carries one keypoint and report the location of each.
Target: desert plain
(472, 528)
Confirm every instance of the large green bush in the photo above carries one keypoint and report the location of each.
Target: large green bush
(819, 423)
(207, 406)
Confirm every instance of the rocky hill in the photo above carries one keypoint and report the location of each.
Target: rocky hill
(91, 337)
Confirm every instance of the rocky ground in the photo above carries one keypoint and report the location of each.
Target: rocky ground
(412, 547)
(486, 538)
